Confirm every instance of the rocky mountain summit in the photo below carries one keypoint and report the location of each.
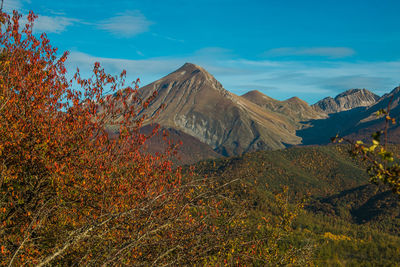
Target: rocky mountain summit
(198, 105)
(347, 100)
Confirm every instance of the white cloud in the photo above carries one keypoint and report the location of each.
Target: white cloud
(331, 52)
(126, 24)
(54, 24)
(48, 24)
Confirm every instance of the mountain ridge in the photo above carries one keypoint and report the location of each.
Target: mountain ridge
(198, 105)
(346, 100)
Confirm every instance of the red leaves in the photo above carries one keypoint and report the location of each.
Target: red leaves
(62, 164)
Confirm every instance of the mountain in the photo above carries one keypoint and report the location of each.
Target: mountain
(197, 104)
(295, 109)
(347, 100)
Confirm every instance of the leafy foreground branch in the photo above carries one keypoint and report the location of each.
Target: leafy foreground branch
(71, 194)
(382, 164)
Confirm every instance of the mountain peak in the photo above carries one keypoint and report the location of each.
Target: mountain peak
(354, 92)
(347, 100)
(190, 68)
(295, 99)
(254, 95)
(190, 65)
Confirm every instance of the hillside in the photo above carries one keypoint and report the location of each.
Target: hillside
(337, 183)
(349, 221)
(366, 204)
(320, 170)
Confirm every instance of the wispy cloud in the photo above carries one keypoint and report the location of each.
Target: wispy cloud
(310, 81)
(331, 52)
(127, 24)
(53, 24)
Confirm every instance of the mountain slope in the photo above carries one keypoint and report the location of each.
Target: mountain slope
(197, 104)
(190, 151)
(349, 222)
(370, 123)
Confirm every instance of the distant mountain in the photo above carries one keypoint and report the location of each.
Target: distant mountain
(198, 105)
(347, 100)
(295, 109)
(357, 123)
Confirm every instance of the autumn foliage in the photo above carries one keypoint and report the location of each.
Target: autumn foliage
(65, 184)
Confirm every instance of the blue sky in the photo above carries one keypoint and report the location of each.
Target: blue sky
(309, 49)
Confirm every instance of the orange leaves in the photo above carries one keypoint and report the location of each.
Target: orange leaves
(62, 165)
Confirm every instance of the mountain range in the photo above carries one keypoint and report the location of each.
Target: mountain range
(197, 105)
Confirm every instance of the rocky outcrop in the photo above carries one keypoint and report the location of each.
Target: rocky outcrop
(347, 100)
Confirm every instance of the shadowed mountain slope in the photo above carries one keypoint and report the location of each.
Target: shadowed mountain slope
(191, 150)
(357, 123)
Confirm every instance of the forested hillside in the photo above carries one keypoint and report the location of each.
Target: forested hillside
(350, 221)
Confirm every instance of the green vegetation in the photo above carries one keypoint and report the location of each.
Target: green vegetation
(319, 170)
(347, 221)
